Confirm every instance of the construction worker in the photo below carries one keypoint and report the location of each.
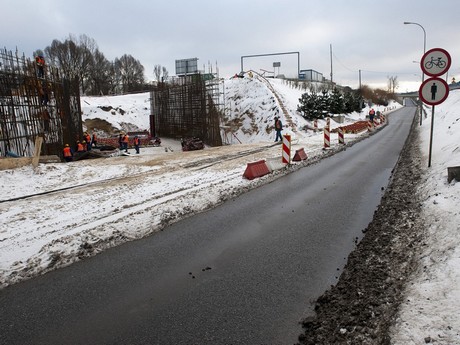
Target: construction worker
(120, 141)
(278, 128)
(125, 142)
(67, 153)
(88, 141)
(94, 140)
(137, 142)
(80, 146)
(40, 61)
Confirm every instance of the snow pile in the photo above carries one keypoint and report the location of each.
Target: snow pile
(122, 112)
(430, 313)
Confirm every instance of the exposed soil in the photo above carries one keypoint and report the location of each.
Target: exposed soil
(362, 306)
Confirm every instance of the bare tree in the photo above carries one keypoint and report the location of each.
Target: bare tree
(73, 56)
(131, 73)
(393, 84)
(101, 79)
(160, 73)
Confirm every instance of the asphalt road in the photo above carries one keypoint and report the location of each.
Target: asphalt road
(243, 273)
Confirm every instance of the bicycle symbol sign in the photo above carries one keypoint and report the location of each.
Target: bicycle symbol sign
(435, 62)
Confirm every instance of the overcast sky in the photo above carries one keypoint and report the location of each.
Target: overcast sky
(366, 35)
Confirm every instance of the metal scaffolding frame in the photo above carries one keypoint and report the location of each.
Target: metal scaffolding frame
(187, 107)
(33, 104)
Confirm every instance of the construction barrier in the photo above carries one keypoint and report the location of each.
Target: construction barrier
(300, 155)
(355, 128)
(341, 136)
(286, 153)
(376, 122)
(256, 169)
(327, 140)
(315, 125)
(370, 126)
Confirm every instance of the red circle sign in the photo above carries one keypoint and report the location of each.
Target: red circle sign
(433, 91)
(435, 62)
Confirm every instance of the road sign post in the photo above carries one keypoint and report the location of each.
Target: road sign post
(434, 91)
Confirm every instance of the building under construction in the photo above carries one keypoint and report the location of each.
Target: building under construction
(36, 102)
(187, 106)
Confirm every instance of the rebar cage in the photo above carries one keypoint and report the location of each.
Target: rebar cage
(187, 107)
(35, 101)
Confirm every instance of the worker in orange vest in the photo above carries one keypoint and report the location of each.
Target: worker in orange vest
(67, 153)
(125, 142)
(137, 142)
(40, 61)
(88, 141)
(80, 146)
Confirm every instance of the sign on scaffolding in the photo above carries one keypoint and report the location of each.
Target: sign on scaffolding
(186, 66)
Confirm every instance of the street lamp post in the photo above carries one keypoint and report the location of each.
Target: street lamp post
(424, 51)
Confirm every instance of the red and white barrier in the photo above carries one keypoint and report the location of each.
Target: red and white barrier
(376, 122)
(315, 125)
(370, 126)
(341, 136)
(286, 153)
(327, 135)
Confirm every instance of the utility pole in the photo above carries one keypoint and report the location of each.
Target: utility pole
(331, 63)
(360, 79)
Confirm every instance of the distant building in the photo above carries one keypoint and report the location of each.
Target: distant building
(310, 75)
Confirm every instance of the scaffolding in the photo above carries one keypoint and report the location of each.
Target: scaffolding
(36, 102)
(187, 106)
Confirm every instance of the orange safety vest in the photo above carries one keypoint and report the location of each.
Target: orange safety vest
(126, 138)
(80, 147)
(88, 138)
(136, 141)
(40, 60)
(67, 152)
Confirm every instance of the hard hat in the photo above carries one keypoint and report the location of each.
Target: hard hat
(66, 145)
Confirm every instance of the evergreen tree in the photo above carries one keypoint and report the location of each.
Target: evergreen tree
(336, 102)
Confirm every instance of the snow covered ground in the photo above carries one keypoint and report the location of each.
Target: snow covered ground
(430, 312)
(87, 206)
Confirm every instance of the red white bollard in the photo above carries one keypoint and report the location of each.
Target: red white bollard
(286, 153)
(370, 125)
(315, 125)
(327, 141)
(341, 136)
(376, 121)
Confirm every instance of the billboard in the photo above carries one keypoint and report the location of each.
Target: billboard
(187, 66)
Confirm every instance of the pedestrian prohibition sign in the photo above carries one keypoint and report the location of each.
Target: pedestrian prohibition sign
(433, 91)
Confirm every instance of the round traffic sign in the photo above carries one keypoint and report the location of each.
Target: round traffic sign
(433, 91)
(435, 62)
